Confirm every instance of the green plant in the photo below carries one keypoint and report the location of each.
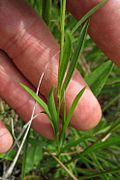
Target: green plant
(79, 147)
(67, 66)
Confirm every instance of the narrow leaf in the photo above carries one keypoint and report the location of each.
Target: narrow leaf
(99, 146)
(102, 144)
(97, 79)
(32, 155)
(74, 61)
(75, 143)
(111, 171)
(62, 38)
(62, 26)
(46, 10)
(87, 15)
(69, 116)
(37, 99)
(115, 126)
(65, 58)
(52, 110)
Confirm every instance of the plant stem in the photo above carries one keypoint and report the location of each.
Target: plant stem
(64, 167)
(62, 37)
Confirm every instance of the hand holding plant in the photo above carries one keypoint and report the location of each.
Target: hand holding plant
(64, 97)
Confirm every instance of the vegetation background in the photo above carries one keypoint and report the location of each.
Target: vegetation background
(94, 154)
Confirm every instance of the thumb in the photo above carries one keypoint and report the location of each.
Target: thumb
(5, 139)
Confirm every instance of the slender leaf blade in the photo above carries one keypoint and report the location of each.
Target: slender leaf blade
(33, 154)
(115, 126)
(69, 116)
(62, 38)
(111, 171)
(65, 58)
(46, 11)
(97, 79)
(74, 61)
(75, 143)
(102, 144)
(36, 98)
(52, 110)
(87, 15)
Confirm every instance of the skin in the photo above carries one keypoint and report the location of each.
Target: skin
(29, 46)
(104, 27)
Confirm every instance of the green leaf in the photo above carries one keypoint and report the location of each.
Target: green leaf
(62, 39)
(9, 156)
(97, 79)
(75, 143)
(99, 146)
(37, 99)
(111, 102)
(65, 59)
(87, 15)
(75, 59)
(115, 126)
(52, 110)
(102, 144)
(62, 26)
(33, 155)
(70, 113)
(110, 171)
(46, 10)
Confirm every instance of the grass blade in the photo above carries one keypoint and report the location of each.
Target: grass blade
(46, 11)
(115, 126)
(111, 171)
(65, 59)
(62, 26)
(52, 110)
(97, 79)
(62, 38)
(75, 143)
(99, 146)
(111, 103)
(33, 153)
(76, 57)
(87, 15)
(37, 99)
(69, 116)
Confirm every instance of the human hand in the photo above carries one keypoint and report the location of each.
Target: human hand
(29, 46)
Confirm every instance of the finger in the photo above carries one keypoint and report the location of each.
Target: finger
(104, 25)
(5, 139)
(18, 99)
(31, 46)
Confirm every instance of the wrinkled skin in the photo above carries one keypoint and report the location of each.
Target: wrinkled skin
(29, 46)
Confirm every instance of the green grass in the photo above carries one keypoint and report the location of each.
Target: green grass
(94, 154)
